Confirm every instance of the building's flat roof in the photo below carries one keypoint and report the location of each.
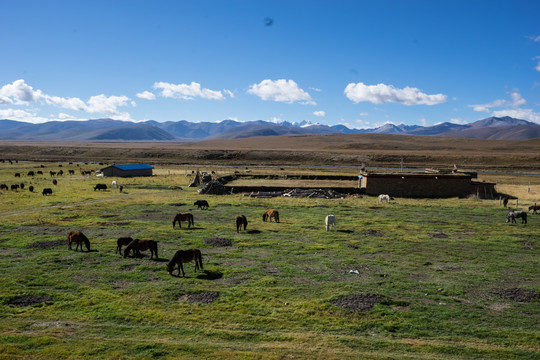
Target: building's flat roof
(132, 166)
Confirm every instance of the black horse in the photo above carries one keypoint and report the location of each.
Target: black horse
(201, 204)
(512, 215)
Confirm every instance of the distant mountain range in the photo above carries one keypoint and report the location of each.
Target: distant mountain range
(503, 128)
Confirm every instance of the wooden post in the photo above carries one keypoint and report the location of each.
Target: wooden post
(500, 200)
(516, 203)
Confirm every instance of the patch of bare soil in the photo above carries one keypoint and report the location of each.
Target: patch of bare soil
(370, 232)
(29, 300)
(217, 241)
(438, 235)
(519, 295)
(46, 244)
(201, 298)
(358, 302)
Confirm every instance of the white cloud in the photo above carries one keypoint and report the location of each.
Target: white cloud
(106, 105)
(18, 93)
(146, 95)
(517, 100)
(537, 68)
(382, 93)
(281, 90)
(21, 115)
(187, 92)
(275, 120)
(229, 93)
(320, 113)
(534, 38)
(523, 114)
(458, 121)
(66, 103)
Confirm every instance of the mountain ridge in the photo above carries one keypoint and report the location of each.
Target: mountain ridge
(494, 128)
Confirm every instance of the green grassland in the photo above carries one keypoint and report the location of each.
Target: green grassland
(446, 269)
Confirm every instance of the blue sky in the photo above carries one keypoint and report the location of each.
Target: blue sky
(358, 63)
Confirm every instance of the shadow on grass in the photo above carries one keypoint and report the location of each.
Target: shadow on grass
(189, 228)
(346, 231)
(254, 231)
(210, 275)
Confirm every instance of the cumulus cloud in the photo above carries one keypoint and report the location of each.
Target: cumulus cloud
(517, 100)
(21, 94)
(382, 93)
(320, 113)
(523, 114)
(187, 91)
(281, 90)
(18, 93)
(458, 121)
(146, 95)
(22, 115)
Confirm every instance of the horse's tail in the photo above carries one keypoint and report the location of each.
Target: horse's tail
(276, 217)
(155, 249)
(191, 219)
(199, 258)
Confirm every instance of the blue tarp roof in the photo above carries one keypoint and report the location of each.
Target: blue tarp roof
(133, 166)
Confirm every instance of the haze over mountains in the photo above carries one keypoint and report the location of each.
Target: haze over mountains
(504, 128)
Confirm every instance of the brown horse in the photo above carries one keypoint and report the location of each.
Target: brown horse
(185, 256)
(123, 241)
(271, 213)
(241, 220)
(141, 245)
(183, 217)
(79, 238)
(534, 208)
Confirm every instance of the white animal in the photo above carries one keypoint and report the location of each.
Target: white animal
(330, 221)
(384, 197)
(114, 183)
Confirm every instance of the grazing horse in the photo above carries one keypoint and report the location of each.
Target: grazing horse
(123, 241)
(384, 197)
(241, 220)
(512, 215)
(330, 222)
(14, 187)
(271, 213)
(185, 256)
(183, 217)
(534, 208)
(201, 204)
(79, 238)
(3, 187)
(141, 245)
(46, 191)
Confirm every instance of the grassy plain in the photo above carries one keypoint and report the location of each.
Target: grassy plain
(458, 282)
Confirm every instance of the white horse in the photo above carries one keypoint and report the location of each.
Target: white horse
(330, 221)
(114, 184)
(384, 197)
